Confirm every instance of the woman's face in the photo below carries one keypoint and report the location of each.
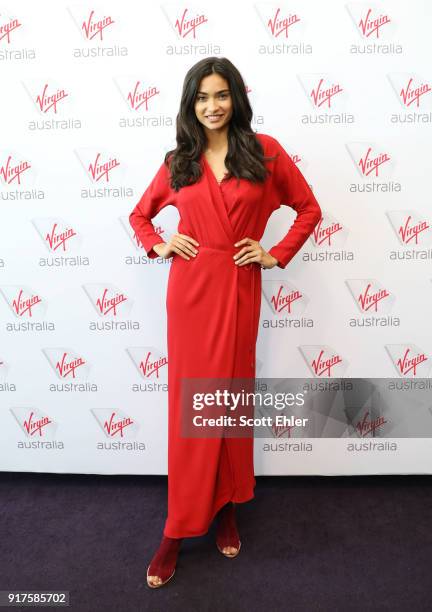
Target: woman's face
(213, 104)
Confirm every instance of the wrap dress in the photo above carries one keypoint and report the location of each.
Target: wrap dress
(213, 310)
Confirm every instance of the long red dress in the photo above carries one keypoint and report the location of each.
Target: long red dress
(213, 310)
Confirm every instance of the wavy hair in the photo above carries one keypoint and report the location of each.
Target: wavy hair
(245, 157)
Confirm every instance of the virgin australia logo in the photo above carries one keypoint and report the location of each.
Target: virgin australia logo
(327, 97)
(323, 361)
(409, 360)
(370, 295)
(149, 361)
(414, 96)
(56, 234)
(107, 300)
(374, 164)
(98, 165)
(284, 298)
(23, 301)
(410, 228)
(12, 171)
(34, 423)
(115, 423)
(66, 363)
(375, 26)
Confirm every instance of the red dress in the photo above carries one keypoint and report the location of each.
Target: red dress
(213, 310)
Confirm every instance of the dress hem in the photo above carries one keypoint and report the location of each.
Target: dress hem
(224, 500)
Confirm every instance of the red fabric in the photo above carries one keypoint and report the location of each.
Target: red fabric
(213, 309)
(227, 532)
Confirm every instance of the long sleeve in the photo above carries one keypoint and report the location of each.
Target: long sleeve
(292, 190)
(157, 195)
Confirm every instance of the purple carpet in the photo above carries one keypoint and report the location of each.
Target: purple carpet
(308, 543)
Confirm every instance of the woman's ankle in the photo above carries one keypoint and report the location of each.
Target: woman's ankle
(165, 558)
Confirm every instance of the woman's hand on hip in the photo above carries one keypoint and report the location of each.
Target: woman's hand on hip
(252, 251)
(181, 244)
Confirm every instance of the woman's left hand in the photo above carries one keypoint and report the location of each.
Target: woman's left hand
(253, 251)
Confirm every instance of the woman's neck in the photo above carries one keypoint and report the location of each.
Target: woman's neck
(217, 140)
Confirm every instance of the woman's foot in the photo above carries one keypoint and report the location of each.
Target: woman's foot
(227, 536)
(162, 566)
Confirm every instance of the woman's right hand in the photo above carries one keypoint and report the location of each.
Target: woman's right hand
(179, 243)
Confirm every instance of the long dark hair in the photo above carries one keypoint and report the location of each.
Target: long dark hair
(245, 157)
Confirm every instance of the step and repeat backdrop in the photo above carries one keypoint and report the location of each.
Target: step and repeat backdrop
(90, 94)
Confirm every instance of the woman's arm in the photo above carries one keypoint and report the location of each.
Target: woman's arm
(292, 190)
(157, 195)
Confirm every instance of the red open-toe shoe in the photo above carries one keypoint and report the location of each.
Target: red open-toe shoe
(162, 566)
(227, 534)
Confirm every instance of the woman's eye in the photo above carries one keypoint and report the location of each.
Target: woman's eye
(202, 98)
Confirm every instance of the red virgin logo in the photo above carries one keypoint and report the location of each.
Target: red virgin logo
(321, 95)
(99, 170)
(107, 299)
(66, 363)
(92, 27)
(114, 428)
(107, 305)
(149, 361)
(370, 25)
(323, 365)
(408, 359)
(185, 25)
(7, 28)
(137, 97)
(369, 163)
(68, 368)
(47, 101)
(411, 94)
(57, 239)
(322, 233)
(12, 172)
(34, 426)
(367, 426)
(284, 298)
(278, 25)
(370, 295)
(281, 301)
(23, 305)
(409, 227)
(23, 301)
(409, 362)
(149, 367)
(370, 299)
(409, 232)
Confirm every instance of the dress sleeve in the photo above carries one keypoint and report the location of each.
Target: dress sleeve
(292, 190)
(157, 195)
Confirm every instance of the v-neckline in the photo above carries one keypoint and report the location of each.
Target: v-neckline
(212, 173)
(217, 197)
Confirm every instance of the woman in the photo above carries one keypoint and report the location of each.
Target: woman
(225, 181)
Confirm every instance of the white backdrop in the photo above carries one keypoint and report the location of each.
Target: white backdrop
(90, 94)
